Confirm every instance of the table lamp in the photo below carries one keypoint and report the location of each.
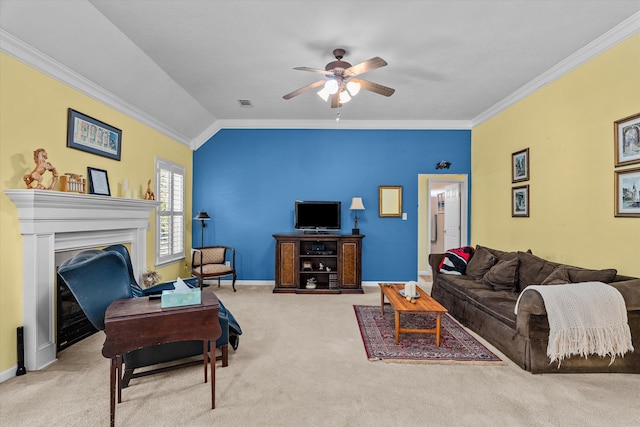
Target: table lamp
(356, 205)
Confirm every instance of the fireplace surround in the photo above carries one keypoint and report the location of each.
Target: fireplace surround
(53, 221)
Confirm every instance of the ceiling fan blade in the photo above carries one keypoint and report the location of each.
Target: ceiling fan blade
(363, 67)
(375, 87)
(315, 70)
(304, 89)
(335, 100)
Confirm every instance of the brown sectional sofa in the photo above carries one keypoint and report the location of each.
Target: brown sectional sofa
(484, 298)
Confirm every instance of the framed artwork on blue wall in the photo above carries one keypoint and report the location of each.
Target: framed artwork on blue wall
(390, 203)
(93, 136)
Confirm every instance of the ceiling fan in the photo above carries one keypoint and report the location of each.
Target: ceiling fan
(340, 81)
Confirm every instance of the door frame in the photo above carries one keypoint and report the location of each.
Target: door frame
(463, 179)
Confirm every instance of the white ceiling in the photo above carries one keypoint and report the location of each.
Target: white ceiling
(184, 64)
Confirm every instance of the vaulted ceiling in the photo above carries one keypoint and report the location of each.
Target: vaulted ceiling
(183, 65)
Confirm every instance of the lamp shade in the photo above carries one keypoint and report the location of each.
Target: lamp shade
(332, 86)
(356, 204)
(353, 87)
(202, 216)
(344, 97)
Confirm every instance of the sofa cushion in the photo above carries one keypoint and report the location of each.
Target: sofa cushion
(480, 263)
(577, 275)
(499, 304)
(559, 276)
(533, 270)
(455, 260)
(503, 276)
(459, 285)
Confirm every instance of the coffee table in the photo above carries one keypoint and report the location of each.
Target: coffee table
(423, 304)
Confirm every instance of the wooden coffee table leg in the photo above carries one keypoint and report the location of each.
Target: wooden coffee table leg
(381, 301)
(438, 316)
(397, 327)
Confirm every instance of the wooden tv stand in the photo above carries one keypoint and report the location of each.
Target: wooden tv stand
(333, 260)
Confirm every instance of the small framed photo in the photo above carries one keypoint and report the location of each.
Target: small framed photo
(98, 181)
(520, 201)
(628, 193)
(520, 166)
(93, 136)
(627, 140)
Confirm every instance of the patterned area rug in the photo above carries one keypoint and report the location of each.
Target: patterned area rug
(456, 344)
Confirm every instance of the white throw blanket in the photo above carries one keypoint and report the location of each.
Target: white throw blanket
(584, 318)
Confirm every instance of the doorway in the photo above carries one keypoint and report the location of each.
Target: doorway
(443, 207)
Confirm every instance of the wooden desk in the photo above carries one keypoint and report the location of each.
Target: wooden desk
(135, 323)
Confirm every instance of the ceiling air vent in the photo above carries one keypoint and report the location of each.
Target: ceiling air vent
(245, 103)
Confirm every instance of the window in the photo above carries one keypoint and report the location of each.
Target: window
(170, 213)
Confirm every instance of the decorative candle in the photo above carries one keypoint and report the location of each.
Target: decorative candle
(407, 290)
(125, 185)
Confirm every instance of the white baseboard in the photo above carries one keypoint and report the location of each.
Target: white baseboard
(8, 374)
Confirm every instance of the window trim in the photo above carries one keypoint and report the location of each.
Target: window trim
(174, 168)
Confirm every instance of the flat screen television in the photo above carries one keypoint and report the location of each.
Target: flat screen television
(319, 216)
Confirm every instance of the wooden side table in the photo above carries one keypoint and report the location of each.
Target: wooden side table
(135, 323)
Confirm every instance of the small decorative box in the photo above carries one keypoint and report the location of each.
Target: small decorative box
(180, 297)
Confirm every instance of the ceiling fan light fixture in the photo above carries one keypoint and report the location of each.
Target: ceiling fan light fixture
(331, 86)
(344, 97)
(353, 87)
(324, 94)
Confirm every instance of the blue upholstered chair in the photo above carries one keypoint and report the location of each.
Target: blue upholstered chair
(98, 277)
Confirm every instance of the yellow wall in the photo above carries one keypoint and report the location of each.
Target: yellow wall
(568, 127)
(33, 114)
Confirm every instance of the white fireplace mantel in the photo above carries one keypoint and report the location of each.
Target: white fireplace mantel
(53, 221)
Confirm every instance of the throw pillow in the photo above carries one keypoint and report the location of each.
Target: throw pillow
(503, 276)
(455, 260)
(578, 275)
(559, 276)
(533, 270)
(501, 255)
(481, 262)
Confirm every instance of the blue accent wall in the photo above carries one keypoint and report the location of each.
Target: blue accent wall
(248, 180)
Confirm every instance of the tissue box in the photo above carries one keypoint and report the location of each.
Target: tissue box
(179, 298)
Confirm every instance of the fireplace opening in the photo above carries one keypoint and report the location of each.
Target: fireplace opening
(72, 324)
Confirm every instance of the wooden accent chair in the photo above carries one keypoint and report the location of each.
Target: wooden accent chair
(209, 262)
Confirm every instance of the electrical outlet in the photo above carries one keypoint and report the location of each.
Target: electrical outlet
(186, 267)
(227, 263)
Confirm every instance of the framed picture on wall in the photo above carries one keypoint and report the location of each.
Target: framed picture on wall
(390, 201)
(520, 165)
(520, 201)
(627, 193)
(93, 136)
(627, 140)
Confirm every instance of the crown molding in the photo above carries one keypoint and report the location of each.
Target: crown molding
(23, 52)
(27, 54)
(329, 124)
(619, 33)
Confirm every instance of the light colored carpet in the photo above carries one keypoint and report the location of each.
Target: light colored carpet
(301, 362)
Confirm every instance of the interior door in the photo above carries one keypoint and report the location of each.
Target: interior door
(452, 216)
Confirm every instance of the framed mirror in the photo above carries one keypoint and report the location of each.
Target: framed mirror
(390, 200)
